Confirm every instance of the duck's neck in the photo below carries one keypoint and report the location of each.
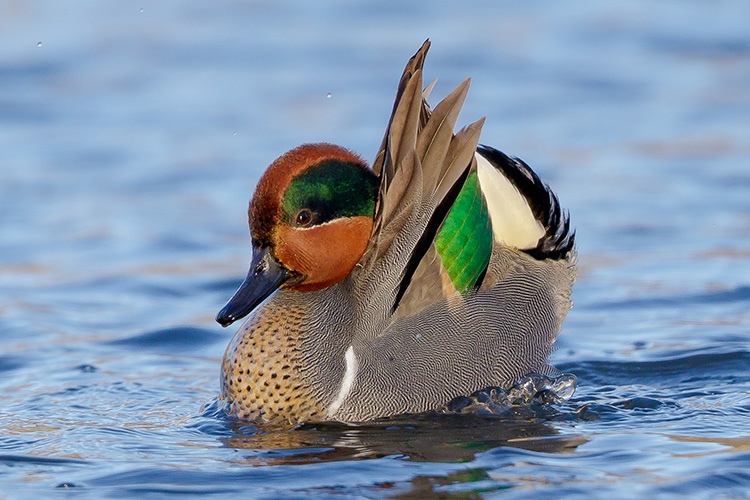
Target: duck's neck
(287, 362)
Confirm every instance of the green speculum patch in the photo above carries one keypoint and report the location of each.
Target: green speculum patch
(331, 189)
(464, 242)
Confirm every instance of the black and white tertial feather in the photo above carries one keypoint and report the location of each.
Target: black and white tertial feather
(535, 222)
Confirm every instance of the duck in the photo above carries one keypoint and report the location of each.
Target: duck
(444, 268)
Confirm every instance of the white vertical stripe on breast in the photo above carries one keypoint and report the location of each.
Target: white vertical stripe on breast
(513, 222)
(346, 383)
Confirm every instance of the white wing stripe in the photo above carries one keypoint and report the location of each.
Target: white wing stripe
(513, 222)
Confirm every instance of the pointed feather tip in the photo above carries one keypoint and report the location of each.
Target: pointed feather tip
(417, 60)
(428, 89)
(458, 96)
(474, 130)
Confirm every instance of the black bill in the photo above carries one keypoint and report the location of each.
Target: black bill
(265, 276)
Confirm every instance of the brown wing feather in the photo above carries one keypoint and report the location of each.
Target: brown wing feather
(414, 64)
(419, 162)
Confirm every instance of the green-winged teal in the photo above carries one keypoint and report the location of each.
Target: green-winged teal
(445, 268)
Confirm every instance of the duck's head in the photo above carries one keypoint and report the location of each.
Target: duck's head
(310, 221)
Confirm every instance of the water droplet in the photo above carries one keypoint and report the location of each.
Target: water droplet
(564, 386)
(234, 133)
(141, 10)
(38, 44)
(328, 95)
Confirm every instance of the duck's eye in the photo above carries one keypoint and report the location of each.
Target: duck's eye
(304, 217)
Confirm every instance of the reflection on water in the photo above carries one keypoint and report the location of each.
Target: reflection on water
(131, 145)
(492, 418)
(450, 439)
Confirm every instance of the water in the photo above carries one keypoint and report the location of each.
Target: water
(132, 135)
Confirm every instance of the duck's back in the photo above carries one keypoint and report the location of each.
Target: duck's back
(455, 330)
(456, 346)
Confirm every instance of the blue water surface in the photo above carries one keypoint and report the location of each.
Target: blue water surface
(133, 133)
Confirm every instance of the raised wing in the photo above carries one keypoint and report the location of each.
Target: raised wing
(423, 166)
(442, 317)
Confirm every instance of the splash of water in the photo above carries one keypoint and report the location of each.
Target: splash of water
(534, 389)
